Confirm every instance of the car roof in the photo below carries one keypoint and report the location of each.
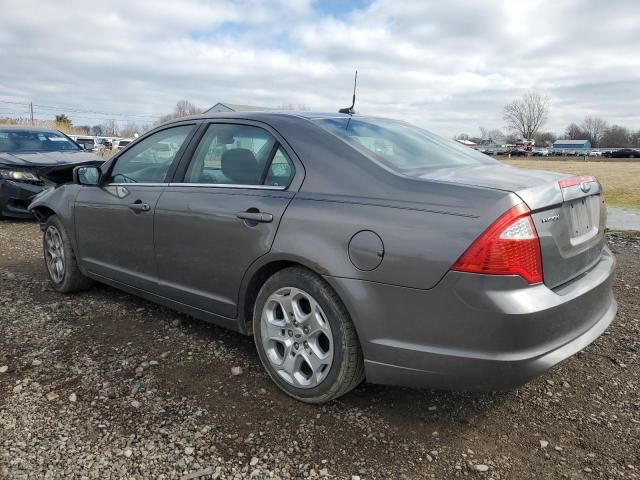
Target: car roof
(31, 128)
(265, 116)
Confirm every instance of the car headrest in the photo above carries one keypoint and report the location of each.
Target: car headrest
(240, 166)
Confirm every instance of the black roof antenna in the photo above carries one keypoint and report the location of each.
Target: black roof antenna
(350, 109)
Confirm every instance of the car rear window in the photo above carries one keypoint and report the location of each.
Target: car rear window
(400, 146)
(15, 141)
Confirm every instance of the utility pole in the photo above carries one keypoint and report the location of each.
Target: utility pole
(31, 111)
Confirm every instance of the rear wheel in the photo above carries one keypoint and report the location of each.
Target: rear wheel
(60, 260)
(305, 338)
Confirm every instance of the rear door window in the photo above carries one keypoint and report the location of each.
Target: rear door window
(231, 154)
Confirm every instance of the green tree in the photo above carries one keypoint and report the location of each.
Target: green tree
(63, 120)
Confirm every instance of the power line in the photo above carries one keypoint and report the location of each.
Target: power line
(74, 110)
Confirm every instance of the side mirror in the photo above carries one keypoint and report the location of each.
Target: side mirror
(86, 175)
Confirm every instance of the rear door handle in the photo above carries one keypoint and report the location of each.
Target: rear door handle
(138, 206)
(260, 217)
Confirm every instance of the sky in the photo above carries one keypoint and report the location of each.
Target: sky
(449, 66)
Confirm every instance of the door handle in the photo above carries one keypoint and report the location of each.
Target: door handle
(255, 216)
(138, 206)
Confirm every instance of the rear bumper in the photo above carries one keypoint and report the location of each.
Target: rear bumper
(476, 332)
(15, 198)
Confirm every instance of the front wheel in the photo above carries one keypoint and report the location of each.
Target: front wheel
(60, 259)
(305, 338)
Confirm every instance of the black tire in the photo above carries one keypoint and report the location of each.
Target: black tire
(347, 369)
(72, 279)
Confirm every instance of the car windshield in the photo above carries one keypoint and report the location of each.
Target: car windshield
(16, 141)
(400, 146)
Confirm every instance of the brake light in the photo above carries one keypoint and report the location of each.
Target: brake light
(510, 246)
(573, 181)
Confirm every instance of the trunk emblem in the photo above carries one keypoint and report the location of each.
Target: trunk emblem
(552, 218)
(585, 187)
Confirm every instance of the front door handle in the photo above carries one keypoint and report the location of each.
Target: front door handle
(138, 206)
(255, 216)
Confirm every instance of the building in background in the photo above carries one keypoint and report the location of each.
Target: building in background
(234, 107)
(571, 145)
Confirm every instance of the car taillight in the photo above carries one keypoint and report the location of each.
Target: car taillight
(510, 246)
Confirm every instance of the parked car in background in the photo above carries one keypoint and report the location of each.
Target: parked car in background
(625, 153)
(595, 153)
(89, 144)
(160, 152)
(517, 152)
(487, 151)
(106, 143)
(541, 152)
(349, 247)
(123, 143)
(24, 153)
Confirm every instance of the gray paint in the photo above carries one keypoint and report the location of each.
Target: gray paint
(366, 250)
(418, 322)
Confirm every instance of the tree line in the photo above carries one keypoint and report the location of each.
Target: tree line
(526, 116)
(111, 128)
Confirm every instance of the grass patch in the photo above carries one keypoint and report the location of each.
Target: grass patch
(620, 180)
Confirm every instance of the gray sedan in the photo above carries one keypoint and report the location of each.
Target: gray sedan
(350, 247)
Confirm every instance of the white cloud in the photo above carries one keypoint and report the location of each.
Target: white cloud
(450, 66)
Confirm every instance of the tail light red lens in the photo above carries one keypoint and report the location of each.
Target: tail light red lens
(510, 246)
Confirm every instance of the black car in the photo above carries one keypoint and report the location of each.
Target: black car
(625, 153)
(518, 152)
(24, 153)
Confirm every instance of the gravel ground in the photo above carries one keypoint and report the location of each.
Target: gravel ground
(104, 385)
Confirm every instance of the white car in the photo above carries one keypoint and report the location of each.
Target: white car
(594, 153)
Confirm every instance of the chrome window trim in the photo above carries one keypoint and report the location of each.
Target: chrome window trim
(229, 185)
(128, 184)
(178, 184)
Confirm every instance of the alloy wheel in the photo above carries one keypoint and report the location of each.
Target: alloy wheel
(297, 337)
(54, 253)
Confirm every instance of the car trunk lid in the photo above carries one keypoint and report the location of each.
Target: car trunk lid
(568, 212)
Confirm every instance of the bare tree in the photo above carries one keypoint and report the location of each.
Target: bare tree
(497, 136)
(183, 108)
(545, 139)
(595, 128)
(574, 132)
(616, 136)
(110, 128)
(484, 133)
(129, 130)
(527, 114)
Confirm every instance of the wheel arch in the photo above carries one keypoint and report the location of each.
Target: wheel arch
(42, 213)
(258, 274)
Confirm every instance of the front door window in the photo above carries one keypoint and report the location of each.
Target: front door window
(148, 161)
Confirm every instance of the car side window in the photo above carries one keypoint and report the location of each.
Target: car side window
(148, 161)
(231, 154)
(281, 170)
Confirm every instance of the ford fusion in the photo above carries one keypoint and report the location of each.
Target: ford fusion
(349, 247)
(24, 153)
